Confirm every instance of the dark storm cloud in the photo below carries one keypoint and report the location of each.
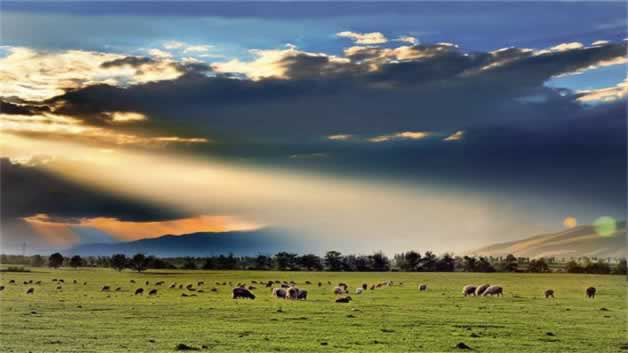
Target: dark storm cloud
(448, 90)
(27, 191)
(21, 109)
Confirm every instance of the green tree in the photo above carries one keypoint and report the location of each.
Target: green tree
(189, 263)
(620, 268)
(138, 262)
(411, 261)
(381, 263)
(263, 262)
(310, 262)
(333, 261)
(76, 261)
(285, 261)
(37, 261)
(538, 266)
(55, 260)
(119, 262)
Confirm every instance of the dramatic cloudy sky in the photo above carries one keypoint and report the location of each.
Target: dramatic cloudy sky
(360, 126)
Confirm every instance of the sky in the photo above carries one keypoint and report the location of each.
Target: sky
(361, 126)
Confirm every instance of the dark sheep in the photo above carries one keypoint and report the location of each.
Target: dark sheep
(480, 289)
(422, 287)
(285, 285)
(254, 282)
(173, 285)
(242, 293)
(105, 289)
(59, 287)
(343, 300)
(320, 284)
(62, 281)
(1, 288)
(214, 289)
(200, 283)
(308, 282)
(302, 295)
(152, 292)
(292, 293)
(147, 283)
(344, 286)
(118, 289)
(30, 290)
(252, 288)
(38, 282)
(591, 292)
(549, 293)
(25, 282)
(468, 290)
(189, 286)
(269, 284)
(139, 291)
(132, 281)
(74, 282)
(159, 283)
(279, 293)
(365, 286)
(12, 281)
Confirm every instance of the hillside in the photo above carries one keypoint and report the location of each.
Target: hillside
(575, 242)
(242, 243)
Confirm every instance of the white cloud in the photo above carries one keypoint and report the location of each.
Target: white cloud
(158, 53)
(405, 135)
(340, 137)
(364, 38)
(38, 75)
(561, 48)
(603, 95)
(457, 136)
(197, 49)
(408, 39)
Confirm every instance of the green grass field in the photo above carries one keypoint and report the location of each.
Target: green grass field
(81, 318)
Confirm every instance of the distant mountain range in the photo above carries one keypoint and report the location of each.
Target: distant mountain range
(241, 243)
(574, 242)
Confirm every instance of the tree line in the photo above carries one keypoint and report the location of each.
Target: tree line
(410, 261)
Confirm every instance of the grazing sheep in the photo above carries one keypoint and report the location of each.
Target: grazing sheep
(292, 293)
(549, 293)
(422, 287)
(59, 287)
(173, 285)
(320, 284)
(269, 284)
(180, 286)
(105, 289)
(252, 288)
(329, 283)
(343, 300)
(591, 292)
(359, 290)
(147, 283)
(480, 289)
(159, 283)
(13, 281)
(254, 282)
(84, 283)
(118, 289)
(343, 285)
(184, 295)
(139, 291)
(25, 282)
(62, 281)
(468, 290)
(279, 293)
(74, 282)
(285, 285)
(1, 288)
(38, 282)
(132, 281)
(200, 283)
(493, 290)
(242, 293)
(365, 286)
(214, 289)
(152, 292)
(30, 290)
(308, 282)
(302, 294)
(189, 286)
(338, 291)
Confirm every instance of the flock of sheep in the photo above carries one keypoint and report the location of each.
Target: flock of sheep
(289, 290)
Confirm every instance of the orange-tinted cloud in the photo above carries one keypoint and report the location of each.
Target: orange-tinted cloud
(62, 232)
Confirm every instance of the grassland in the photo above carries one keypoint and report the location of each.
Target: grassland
(81, 318)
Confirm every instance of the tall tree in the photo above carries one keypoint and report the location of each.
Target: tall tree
(119, 262)
(76, 261)
(138, 262)
(55, 260)
(333, 261)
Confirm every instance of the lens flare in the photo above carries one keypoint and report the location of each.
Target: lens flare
(570, 222)
(605, 226)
